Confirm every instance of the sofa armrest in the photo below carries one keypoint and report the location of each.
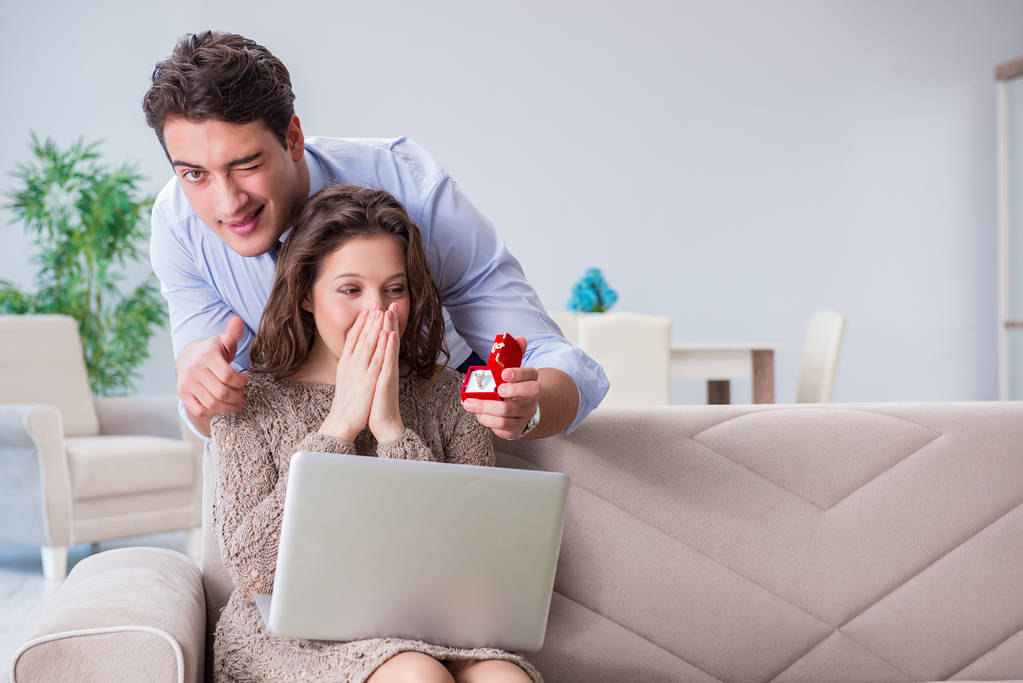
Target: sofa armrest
(35, 499)
(132, 614)
(155, 415)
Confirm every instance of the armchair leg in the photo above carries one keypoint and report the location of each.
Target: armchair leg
(194, 544)
(54, 562)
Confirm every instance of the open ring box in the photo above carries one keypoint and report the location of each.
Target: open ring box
(481, 381)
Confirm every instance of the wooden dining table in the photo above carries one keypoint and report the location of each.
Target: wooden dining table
(718, 363)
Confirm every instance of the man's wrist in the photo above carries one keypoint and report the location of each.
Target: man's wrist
(532, 424)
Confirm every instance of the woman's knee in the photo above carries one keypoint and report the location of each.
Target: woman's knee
(489, 671)
(411, 667)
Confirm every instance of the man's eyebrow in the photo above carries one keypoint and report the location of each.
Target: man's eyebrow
(234, 162)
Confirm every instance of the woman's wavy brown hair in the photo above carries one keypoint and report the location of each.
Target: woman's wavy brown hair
(332, 217)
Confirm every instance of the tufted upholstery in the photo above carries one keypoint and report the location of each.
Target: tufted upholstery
(789, 543)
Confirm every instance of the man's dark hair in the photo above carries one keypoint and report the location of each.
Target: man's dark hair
(221, 76)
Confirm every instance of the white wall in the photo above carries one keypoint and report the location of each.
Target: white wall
(732, 164)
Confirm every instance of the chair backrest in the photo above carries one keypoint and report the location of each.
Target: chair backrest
(635, 350)
(41, 361)
(820, 357)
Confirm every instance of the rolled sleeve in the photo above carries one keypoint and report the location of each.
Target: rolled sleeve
(486, 293)
(552, 351)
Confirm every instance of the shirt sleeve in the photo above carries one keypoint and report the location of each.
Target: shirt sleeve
(485, 292)
(194, 307)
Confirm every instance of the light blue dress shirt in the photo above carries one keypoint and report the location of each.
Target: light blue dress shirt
(482, 286)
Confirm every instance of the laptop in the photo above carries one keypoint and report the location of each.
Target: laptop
(450, 554)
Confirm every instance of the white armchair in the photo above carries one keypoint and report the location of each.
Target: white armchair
(77, 469)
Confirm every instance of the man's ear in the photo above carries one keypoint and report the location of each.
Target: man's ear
(296, 140)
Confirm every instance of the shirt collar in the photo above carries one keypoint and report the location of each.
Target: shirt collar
(317, 178)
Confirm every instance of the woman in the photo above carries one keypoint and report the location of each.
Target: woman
(345, 361)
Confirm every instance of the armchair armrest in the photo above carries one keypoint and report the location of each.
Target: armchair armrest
(141, 415)
(35, 505)
(132, 614)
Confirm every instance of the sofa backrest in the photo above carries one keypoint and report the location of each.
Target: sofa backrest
(41, 361)
(790, 543)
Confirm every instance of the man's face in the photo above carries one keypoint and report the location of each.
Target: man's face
(241, 182)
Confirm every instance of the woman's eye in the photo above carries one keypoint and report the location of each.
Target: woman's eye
(348, 291)
(395, 291)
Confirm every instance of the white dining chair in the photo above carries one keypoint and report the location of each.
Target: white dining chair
(817, 370)
(635, 350)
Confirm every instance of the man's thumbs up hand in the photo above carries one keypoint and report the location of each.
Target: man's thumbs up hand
(231, 336)
(207, 384)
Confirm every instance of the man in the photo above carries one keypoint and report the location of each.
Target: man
(222, 108)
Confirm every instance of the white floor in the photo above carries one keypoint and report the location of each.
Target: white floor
(24, 592)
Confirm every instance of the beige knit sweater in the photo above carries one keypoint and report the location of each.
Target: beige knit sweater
(279, 418)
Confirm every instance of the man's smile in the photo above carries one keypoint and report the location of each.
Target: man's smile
(246, 224)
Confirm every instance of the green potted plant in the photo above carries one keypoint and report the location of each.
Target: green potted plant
(88, 221)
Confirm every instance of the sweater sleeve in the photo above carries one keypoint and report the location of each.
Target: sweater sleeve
(408, 446)
(249, 500)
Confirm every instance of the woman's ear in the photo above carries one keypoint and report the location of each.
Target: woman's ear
(307, 304)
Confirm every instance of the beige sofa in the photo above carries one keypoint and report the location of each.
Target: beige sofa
(715, 543)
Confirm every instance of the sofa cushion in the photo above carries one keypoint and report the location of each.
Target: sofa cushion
(133, 614)
(113, 465)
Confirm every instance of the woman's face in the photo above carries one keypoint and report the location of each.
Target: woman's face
(364, 272)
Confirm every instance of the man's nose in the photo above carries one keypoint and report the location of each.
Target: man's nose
(230, 200)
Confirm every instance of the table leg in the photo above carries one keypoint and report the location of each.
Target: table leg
(719, 392)
(763, 376)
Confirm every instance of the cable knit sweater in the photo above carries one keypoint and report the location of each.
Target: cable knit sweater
(279, 418)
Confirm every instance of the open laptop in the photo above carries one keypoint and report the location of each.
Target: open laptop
(450, 554)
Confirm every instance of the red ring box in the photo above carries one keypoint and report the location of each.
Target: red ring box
(481, 381)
